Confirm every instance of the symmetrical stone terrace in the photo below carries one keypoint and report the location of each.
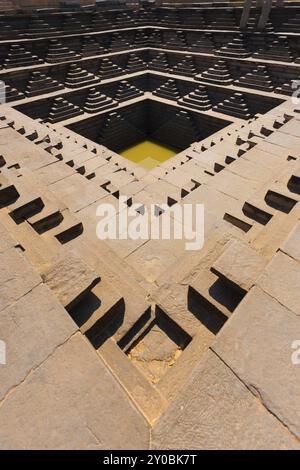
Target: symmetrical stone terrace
(170, 348)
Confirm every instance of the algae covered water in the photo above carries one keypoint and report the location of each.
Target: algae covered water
(148, 153)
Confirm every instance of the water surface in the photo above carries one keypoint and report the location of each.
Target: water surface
(148, 153)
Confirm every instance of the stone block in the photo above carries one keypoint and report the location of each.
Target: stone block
(216, 411)
(17, 277)
(32, 328)
(256, 344)
(239, 264)
(69, 277)
(281, 280)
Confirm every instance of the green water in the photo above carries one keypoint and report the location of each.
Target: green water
(148, 153)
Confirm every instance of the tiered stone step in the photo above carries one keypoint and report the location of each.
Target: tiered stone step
(19, 57)
(185, 67)
(119, 43)
(194, 20)
(292, 25)
(40, 28)
(258, 79)
(175, 40)
(170, 18)
(217, 74)
(126, 92)
(59, 53)
(160, 62)
(141, 39)
(197, 99)
(135, 63)
(8, 93)
(62, 110)
(203, 44)
(91, 47)
(98, 22)
(234, 48)
(39, 84)
(144, 18)
(259, 41)
(224, 20)
(118, 133)
(108, 69)
(6, 31)
(7, 5)
(234, 106)
(253, 22)
(179, 131)
(288, 88)
(72, 24)
(155, 38)
(77, 77)
(277, 50)
(96, 101)
(124, 20)
(168, 90)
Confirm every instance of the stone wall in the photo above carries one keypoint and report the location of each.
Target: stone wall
(16, 4)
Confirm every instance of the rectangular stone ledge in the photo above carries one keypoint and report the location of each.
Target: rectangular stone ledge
(257, 345)
(216, 411)
(77, 192)
(281, 280)
(31, 328)
(117, 273)
(240, 265)
(291, 128)
(147, 397)
(22, 152)
(213, 300)
(292, 246)
(17, 277)
(69, 277)
(55, 172)
(71, 402)
(180, 372)
(6, 240)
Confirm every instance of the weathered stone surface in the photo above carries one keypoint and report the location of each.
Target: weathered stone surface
(232, 185)
(69, 277)
(240, 264)
(155, 353)
(292, 246)
(74, 394)
(171, 383)
(281, 280)
(291, 128)
(146, 396)
(216, 411)
(279, 138)
(151, 260)
(32, 328)
(6, 240)
(17, 277)
(50, 174)
(256, 344)
(20, 151)
(76, 192)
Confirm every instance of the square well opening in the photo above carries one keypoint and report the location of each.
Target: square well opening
(148, 132)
